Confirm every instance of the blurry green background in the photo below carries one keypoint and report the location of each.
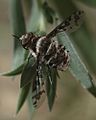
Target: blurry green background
(72, 102)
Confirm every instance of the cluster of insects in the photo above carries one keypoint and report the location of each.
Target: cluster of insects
(48, 51)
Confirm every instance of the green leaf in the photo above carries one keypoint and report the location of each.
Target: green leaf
(51, 83)
(22, 97)
(85, 43)
(26, 54)
(14, 72)
(37, 19)
(57, 74)
(77, 67)
(27, 4)
(18, 28)
(69, 4)
(31, 110)
(91, 3)
(93, 88)
(64, 8)
(34, 17)
(48, 12)
(29, 73)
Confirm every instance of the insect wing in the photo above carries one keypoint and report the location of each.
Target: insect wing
(70, 24)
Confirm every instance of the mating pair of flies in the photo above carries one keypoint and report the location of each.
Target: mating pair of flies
(48, 51)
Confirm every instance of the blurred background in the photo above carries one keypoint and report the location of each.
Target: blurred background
(72, 101)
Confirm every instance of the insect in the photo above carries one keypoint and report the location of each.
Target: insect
(48, 51)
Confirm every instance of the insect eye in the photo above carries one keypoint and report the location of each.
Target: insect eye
(22, 37)
(26, 36)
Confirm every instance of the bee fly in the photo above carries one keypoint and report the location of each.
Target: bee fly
(48, 51)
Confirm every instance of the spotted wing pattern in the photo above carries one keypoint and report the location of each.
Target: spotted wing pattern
(70, 24)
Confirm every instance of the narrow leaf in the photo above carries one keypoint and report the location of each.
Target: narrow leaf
(34, 17)
(51, 84)
(22, 97)
(37, 19)
(29, 73)
(26, 54)
(76, 67)
(31, 110)
(57, 74)
(91, 3)
(18, 28)
(84, 40)
(48, 12)
(14, 72)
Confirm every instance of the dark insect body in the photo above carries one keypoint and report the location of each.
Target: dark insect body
(48, 51)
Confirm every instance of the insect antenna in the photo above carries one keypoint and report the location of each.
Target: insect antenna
(15, 36)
